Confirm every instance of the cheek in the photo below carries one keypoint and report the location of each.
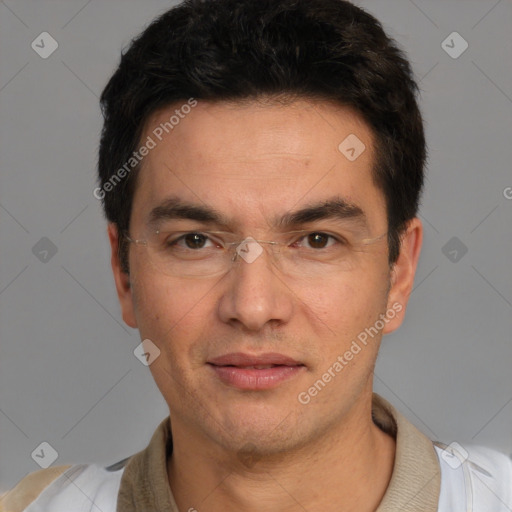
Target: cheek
(174, 317)
(353, 298)
(341, 309)
(166, 310)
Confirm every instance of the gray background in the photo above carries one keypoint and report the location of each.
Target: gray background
(68, 373)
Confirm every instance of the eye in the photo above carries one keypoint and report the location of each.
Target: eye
(318, 240)
(191, 240)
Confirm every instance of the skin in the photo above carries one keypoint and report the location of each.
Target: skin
(240, 450)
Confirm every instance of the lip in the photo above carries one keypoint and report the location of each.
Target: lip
(232, 369)
(242, 359)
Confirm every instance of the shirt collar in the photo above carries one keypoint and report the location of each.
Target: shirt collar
(415, 481)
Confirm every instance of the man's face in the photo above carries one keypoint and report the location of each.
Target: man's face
(254, 164)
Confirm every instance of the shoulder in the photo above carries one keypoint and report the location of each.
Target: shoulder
(29, 488)
(58, 487)
(479, 476)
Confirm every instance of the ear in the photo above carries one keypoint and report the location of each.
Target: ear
(122, 279)
(402, 273)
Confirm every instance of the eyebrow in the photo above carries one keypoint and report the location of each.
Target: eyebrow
(335, 208)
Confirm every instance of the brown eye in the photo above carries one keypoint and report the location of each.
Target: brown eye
(187, 241)
(194, 240)
(318, 240)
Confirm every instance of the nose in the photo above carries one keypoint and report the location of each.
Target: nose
(255, 293)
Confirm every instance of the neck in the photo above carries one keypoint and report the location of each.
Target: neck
(344, 470)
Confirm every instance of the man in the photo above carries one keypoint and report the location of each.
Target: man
(260, 166)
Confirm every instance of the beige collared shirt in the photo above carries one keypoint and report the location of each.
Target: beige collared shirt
(414, 486)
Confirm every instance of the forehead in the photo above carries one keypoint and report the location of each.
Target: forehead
(255, 160)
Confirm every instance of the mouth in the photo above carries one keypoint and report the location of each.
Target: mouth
(248, 372)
